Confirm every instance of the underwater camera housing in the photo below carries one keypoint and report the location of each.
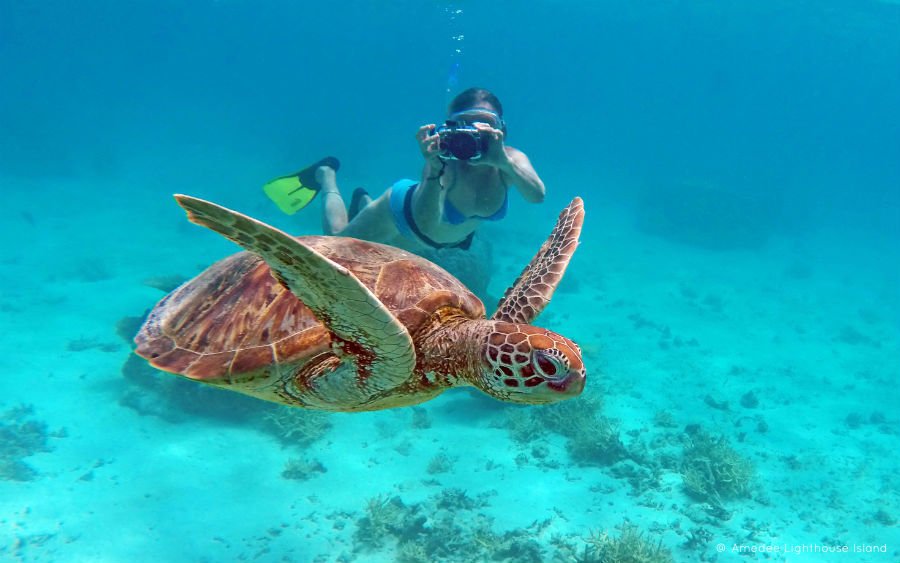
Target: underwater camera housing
(460, 141)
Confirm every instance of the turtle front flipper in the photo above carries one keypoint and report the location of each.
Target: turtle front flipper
(532, 290)
(378, 344)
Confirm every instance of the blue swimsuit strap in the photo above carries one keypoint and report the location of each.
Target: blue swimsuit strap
(401, 209)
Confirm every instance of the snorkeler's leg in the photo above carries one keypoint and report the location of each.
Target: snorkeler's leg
(374, 222)
(358, 202)
(334, 213)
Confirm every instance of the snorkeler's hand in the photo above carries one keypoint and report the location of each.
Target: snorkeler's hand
(495, 152)
(429, 144)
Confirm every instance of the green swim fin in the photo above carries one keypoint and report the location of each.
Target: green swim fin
(293, 192)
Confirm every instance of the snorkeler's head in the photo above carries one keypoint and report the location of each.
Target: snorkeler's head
(473, 99)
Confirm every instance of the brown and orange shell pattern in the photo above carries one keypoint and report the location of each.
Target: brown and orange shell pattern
(235, 321)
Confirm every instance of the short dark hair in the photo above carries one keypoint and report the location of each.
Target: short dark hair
(468, 98)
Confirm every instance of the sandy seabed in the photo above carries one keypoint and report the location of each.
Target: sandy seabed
(783, 358)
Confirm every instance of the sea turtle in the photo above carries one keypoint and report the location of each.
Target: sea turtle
(340, 324)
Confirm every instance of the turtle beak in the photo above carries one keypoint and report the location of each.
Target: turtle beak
(570, 385)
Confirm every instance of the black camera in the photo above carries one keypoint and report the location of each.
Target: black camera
(460, 141)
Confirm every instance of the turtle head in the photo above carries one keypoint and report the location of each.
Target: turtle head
(525, 364)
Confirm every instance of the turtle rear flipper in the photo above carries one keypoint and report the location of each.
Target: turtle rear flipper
(532, 290)
(380, 344)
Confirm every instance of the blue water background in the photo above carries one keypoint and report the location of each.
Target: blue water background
(797, 100)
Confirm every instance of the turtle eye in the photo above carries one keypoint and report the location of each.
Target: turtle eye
(547, 365)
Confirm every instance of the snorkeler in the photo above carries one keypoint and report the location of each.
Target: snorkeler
(465, 180)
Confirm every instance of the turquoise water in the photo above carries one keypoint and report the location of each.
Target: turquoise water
(735, 293)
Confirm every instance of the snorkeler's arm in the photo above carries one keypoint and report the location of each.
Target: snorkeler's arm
(514, 166)
(517, 170)
(427, 197)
